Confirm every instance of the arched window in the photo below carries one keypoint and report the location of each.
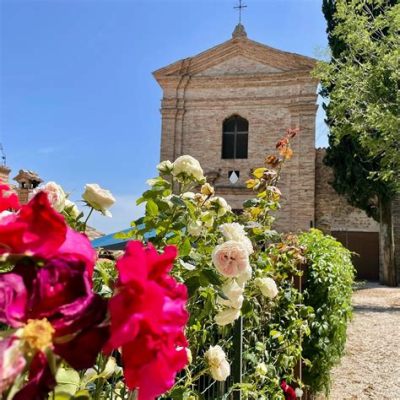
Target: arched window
(235, 137)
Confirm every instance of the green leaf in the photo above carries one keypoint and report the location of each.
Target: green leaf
(184, 248)
(151, 208)
(211, 276)
(67, 381)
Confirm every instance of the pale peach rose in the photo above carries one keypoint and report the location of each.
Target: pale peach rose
(235, 231)
(230, 258)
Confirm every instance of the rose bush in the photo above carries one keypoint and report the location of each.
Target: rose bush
(161, 318)
(222, 257)
(53, 318)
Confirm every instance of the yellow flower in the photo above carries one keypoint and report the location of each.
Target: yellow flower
(251, 183)
(38, 334)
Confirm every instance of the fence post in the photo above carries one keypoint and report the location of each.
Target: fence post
(237, 363)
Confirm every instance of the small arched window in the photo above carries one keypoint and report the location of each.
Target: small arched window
(235, 137)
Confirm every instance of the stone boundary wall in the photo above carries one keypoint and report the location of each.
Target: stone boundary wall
(332, 212)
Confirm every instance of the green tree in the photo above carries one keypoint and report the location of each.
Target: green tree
(361, 88)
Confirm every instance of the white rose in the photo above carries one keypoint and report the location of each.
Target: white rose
(55, 194)
(186, 265)
(227, 316)
(216, 360)
(98, 198)
(165, 167)
(244, 277)
(234, 293)
(261, 369)
(222, 206)
(299, 392)
(235, 231)
(72, 208)
(195, 228)
(230, 258)
(267, 286)
(189, 166)
(188, 195)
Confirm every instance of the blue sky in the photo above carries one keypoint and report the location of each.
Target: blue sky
(78, 103)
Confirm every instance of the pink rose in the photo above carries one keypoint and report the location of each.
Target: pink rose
(55, 194)
(230, 258)
(12, 362)
(12, 299)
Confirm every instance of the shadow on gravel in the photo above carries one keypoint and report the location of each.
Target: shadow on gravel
(376, 309)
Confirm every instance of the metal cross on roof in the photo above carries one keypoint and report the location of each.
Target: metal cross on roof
(240, 7)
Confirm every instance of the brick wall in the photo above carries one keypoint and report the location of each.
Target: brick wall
(195, 106)
(332, 212)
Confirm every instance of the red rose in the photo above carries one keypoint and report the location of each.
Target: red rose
(8, 199)
(40, 231)
(41, 380)
(147, 320)
(60, 292)
(289, 392)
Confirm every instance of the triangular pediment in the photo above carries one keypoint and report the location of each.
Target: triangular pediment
(237, 56)
(239, 65)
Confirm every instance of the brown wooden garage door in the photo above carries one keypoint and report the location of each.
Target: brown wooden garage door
(366, 245)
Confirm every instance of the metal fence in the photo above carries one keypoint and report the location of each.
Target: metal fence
(213, 390)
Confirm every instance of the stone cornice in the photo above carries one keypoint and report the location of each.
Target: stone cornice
(251, 80)
(295, 103)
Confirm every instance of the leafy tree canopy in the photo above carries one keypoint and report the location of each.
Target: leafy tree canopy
(362, 83)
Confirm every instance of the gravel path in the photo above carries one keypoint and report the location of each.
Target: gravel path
(370, 368)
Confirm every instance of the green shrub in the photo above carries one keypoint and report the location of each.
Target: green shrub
(328, 281)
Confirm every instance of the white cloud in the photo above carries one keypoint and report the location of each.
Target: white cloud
(123, 212)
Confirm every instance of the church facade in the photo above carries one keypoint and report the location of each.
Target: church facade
(228, 106)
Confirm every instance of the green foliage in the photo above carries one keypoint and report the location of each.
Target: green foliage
(362, 85)
(352, 176)
(328, 279)
(358, 173)
(275, 326)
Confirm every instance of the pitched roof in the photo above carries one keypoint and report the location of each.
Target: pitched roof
(239, 45)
